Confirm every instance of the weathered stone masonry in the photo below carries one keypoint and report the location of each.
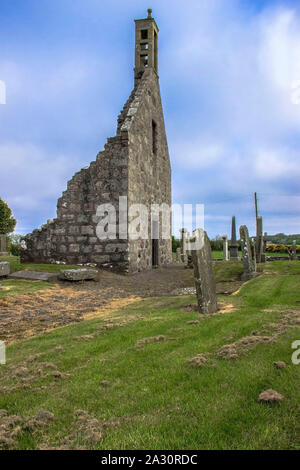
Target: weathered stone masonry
(135, 163)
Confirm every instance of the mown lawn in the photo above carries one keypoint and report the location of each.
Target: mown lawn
(147, 395)
(19, 286)
(16, 265)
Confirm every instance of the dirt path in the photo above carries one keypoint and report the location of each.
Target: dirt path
(27, 315)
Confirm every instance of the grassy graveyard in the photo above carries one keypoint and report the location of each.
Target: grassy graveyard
(157, 375)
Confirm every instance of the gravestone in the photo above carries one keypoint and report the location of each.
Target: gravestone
(253, 253)
(183, 244)
(189, 252)
(233, 247)
(178, 255)
(4, 269)
(263, 256)
(294, 250)
(203, 273)
(248, 254)
(259, 245)
(3, 245)
(225, 248)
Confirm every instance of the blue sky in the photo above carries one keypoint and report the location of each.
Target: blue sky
(226, 69)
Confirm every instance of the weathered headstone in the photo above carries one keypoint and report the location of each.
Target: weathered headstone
(178, 255)
(263, 256)
(294, 250)
(259, 239)
(3, 245)
(189, 252)
(183, 243)
(248, 254)
(253, 252)
(4, 268)
(203, 273)
(265, 242)
(225, 248)
(233, 247)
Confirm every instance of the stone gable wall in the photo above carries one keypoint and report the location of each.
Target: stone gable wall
(126, 167)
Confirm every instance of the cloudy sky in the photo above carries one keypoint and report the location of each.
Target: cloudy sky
(230, 83)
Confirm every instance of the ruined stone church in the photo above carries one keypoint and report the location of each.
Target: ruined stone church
(135, 163)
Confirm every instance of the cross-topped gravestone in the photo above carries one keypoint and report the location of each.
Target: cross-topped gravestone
(233, 247)
(248, 254)
(203, 273)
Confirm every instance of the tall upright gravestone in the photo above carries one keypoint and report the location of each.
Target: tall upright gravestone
(3, 245)
(225, 248)
(259, 245)
(233, 247)
(248, 254)
(294, 250)
(203, 273)
(178, 255)
(183, 244)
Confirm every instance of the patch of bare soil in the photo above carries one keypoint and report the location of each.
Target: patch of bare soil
(270, 396)
(280, 364)
(199, 360)
(152, 339)
(12, 426)
(288, 319)
(26, 315)
(26, 375)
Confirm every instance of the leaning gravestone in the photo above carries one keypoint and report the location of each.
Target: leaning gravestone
(3, 245)
(203, 273)
(4, 269)
(248, 254)
(233, 247)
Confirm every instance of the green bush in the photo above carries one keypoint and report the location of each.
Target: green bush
(175, 244)
(14, 246)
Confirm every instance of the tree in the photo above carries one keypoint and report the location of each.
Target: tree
(7, 222)
(175, 244)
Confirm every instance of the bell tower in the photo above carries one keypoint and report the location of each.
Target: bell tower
(146, 46)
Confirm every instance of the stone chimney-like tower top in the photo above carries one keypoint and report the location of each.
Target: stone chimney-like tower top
(146, 45)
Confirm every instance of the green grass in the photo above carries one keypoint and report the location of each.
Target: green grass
(219, 254)
(16, 265)
(18, 286)
(155, 399)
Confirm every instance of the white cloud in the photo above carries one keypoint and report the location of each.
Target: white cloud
(30, 175)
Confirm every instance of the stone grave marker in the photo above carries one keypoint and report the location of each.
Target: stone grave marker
(233, 247)
(248, 254)
(203, 273)
(225, 248)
